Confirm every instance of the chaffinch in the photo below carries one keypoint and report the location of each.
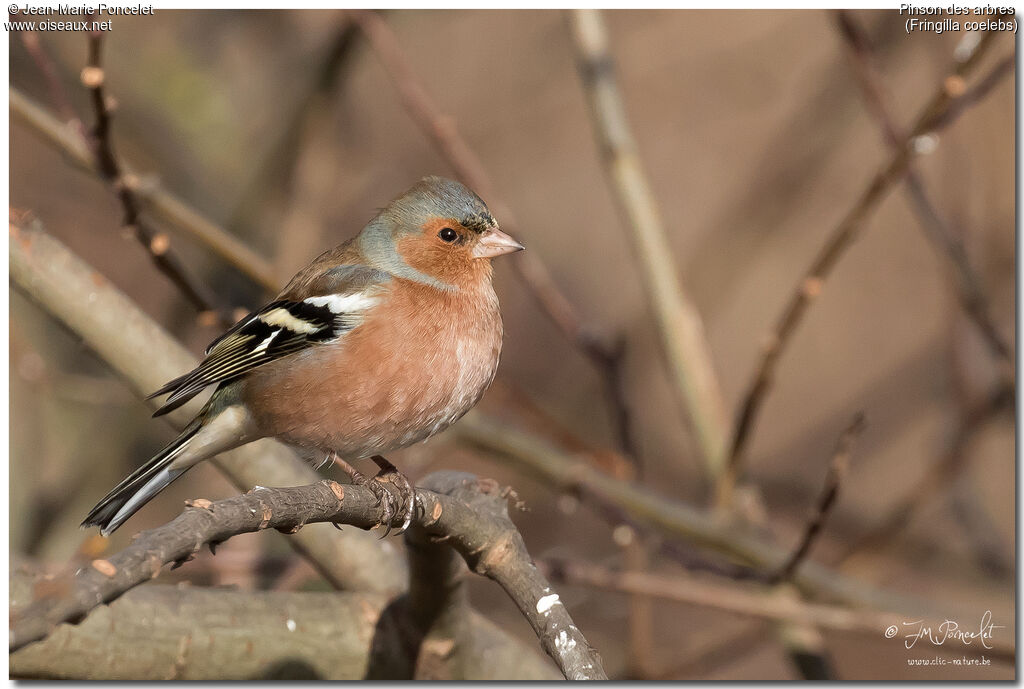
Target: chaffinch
(377, 344)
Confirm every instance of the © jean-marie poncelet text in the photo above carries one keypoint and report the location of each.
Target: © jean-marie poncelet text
(69, 10)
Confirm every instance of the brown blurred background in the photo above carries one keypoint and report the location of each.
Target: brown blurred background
(756, 138)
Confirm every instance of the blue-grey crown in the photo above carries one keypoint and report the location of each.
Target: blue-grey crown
(444, 198)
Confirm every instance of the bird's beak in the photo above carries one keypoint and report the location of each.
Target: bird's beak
(495, 243)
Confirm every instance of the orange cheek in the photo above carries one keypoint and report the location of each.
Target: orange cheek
(427, 254)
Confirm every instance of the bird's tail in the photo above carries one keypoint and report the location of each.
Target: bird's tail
(137, 489)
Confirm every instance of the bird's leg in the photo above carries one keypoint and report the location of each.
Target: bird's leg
(376, 486)
(388, 472)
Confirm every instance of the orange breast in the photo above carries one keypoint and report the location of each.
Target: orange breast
(417, 363)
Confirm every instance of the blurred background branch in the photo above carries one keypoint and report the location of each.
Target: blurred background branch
(680, 325)
(939, 112)
(935, 226)
(157, 245)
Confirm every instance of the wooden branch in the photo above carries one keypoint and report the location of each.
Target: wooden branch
(479, 530)
(933, 116)
(769, 603)
(680, 325)
(936, 227)
(145, 356)
(153, 198)
(833, 480)
(158, 246)
(191, 632)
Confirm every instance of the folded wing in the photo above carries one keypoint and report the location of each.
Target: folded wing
(341, 297)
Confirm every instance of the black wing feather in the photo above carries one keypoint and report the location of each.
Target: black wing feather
(278, 329)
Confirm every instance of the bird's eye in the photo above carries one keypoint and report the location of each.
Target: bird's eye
(448, 235)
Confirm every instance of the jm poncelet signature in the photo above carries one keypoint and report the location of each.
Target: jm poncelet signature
(947, 630)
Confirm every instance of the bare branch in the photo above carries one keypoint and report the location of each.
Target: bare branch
(975, 94)
(480, 531)
(833, 480)
(942, 103)
(680, 325)
(151, 196)
(158, 245)
(936, 227)
(145, 356)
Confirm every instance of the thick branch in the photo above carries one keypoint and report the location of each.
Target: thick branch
(487, 540)
(145, 356)
(939, 112)
(477, 526)
(183, 633)
(680, 325)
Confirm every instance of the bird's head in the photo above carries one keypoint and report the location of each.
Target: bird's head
(437, 232)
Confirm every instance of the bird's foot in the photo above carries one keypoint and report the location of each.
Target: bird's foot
(404, 503)
(390, 474)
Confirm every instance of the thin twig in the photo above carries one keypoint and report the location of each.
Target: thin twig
(151, 196)
(976, 93)
(486, 539)
(830, 491)
(940, 105)
(936, 227)
(680, 326)
(443, 133)
(157, 245)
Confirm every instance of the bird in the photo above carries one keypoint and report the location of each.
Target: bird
(377, 344)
